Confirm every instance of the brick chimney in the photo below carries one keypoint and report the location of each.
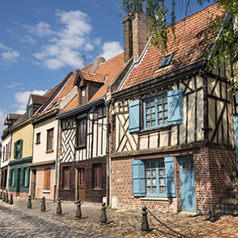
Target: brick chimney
(127, 32)
(135, 34)
(140, 32)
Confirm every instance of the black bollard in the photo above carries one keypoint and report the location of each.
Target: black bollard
(3, 199)
(59, 209)
(144, 224)
(78, 211)
(29, 205)
(0, 195)
(11, 199)
(42, 208)
(103, 218)
(6, 199)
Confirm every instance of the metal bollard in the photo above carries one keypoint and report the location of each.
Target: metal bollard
(0, 195)
(103, 218)
(144, 223)
(59, 209)
(78, 211)
(4, 197)
(11, 199)
(43, 204)
(29, 205)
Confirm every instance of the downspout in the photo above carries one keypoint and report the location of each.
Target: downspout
(56, 162)
(108, 159)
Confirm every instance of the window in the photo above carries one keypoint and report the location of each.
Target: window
(12, 177)
(38, 138)
(83, 90)
(18, 146)
(166, 60)
(159, 111)
(65, 178)
(46, 179)
(50, 136)
(153, 178)
(30, 111)
(25, 177)
(3, 154)
(81, 133)
(156, 112)
(96, 175)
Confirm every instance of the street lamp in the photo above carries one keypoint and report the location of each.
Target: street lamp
(93, 114)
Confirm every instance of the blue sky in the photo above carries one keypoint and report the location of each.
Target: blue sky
(41, 41)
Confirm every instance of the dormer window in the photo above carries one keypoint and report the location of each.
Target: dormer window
(166, 60)
(30, 110)
(83, 90)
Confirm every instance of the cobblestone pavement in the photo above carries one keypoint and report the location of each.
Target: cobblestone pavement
(19, 221)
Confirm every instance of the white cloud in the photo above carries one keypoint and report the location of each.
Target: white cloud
(97, 41)
(111, 49)
(64, 45)
(22, 99)
(29, 39)
(9, 54)
(41, 29)
(13, 85)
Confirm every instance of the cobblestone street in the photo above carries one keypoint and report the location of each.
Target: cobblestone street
(18, 221)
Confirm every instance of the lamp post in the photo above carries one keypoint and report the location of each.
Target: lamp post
(93, 116)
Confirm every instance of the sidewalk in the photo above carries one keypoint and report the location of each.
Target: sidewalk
(127, 223)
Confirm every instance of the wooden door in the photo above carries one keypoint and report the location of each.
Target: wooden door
(81, 184)
(187, 184)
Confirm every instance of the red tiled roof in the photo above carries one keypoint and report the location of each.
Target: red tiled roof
(192, 40)
(109, 69)
(38, 99)
(93, 77)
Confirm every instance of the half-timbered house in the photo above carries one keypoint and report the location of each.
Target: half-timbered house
(45, 145)
(83, 143)
(172, 125)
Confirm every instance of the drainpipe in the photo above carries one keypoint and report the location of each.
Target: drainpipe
(107, 103)
(56, 162)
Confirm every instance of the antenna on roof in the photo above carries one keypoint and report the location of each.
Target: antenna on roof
(82, 56)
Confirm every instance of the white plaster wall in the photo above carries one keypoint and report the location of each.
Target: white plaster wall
(39, 150)
(4, 143)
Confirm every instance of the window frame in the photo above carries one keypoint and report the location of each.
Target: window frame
(156, 111)
(97, 176)
(157, 176)
(38, 137)
(47, 175)
(163, 64)
(81, 133)
(83, 95)
(64, 185)
(18, 153)
(50, 140)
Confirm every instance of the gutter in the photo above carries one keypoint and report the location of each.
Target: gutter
(81, 108)
(56, 162)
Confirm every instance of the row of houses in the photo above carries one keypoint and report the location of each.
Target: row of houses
(141, 128)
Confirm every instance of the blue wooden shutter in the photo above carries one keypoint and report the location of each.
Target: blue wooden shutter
(134, 116)
(22, 177)
(169, 170)
(10, 178)
(13, 177)
(138, 177)
(21, 148)
(175, 106)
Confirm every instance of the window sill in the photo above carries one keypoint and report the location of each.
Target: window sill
(80, 147)
(37, 143)
(49, 151)
(98, 189)
(66, 189)
(155, 129)
(46, 191)
(154, 199)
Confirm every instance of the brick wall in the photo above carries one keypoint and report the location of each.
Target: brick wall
(212, 168)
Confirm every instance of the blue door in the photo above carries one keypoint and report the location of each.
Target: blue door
(187, 184)
(235, 118)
